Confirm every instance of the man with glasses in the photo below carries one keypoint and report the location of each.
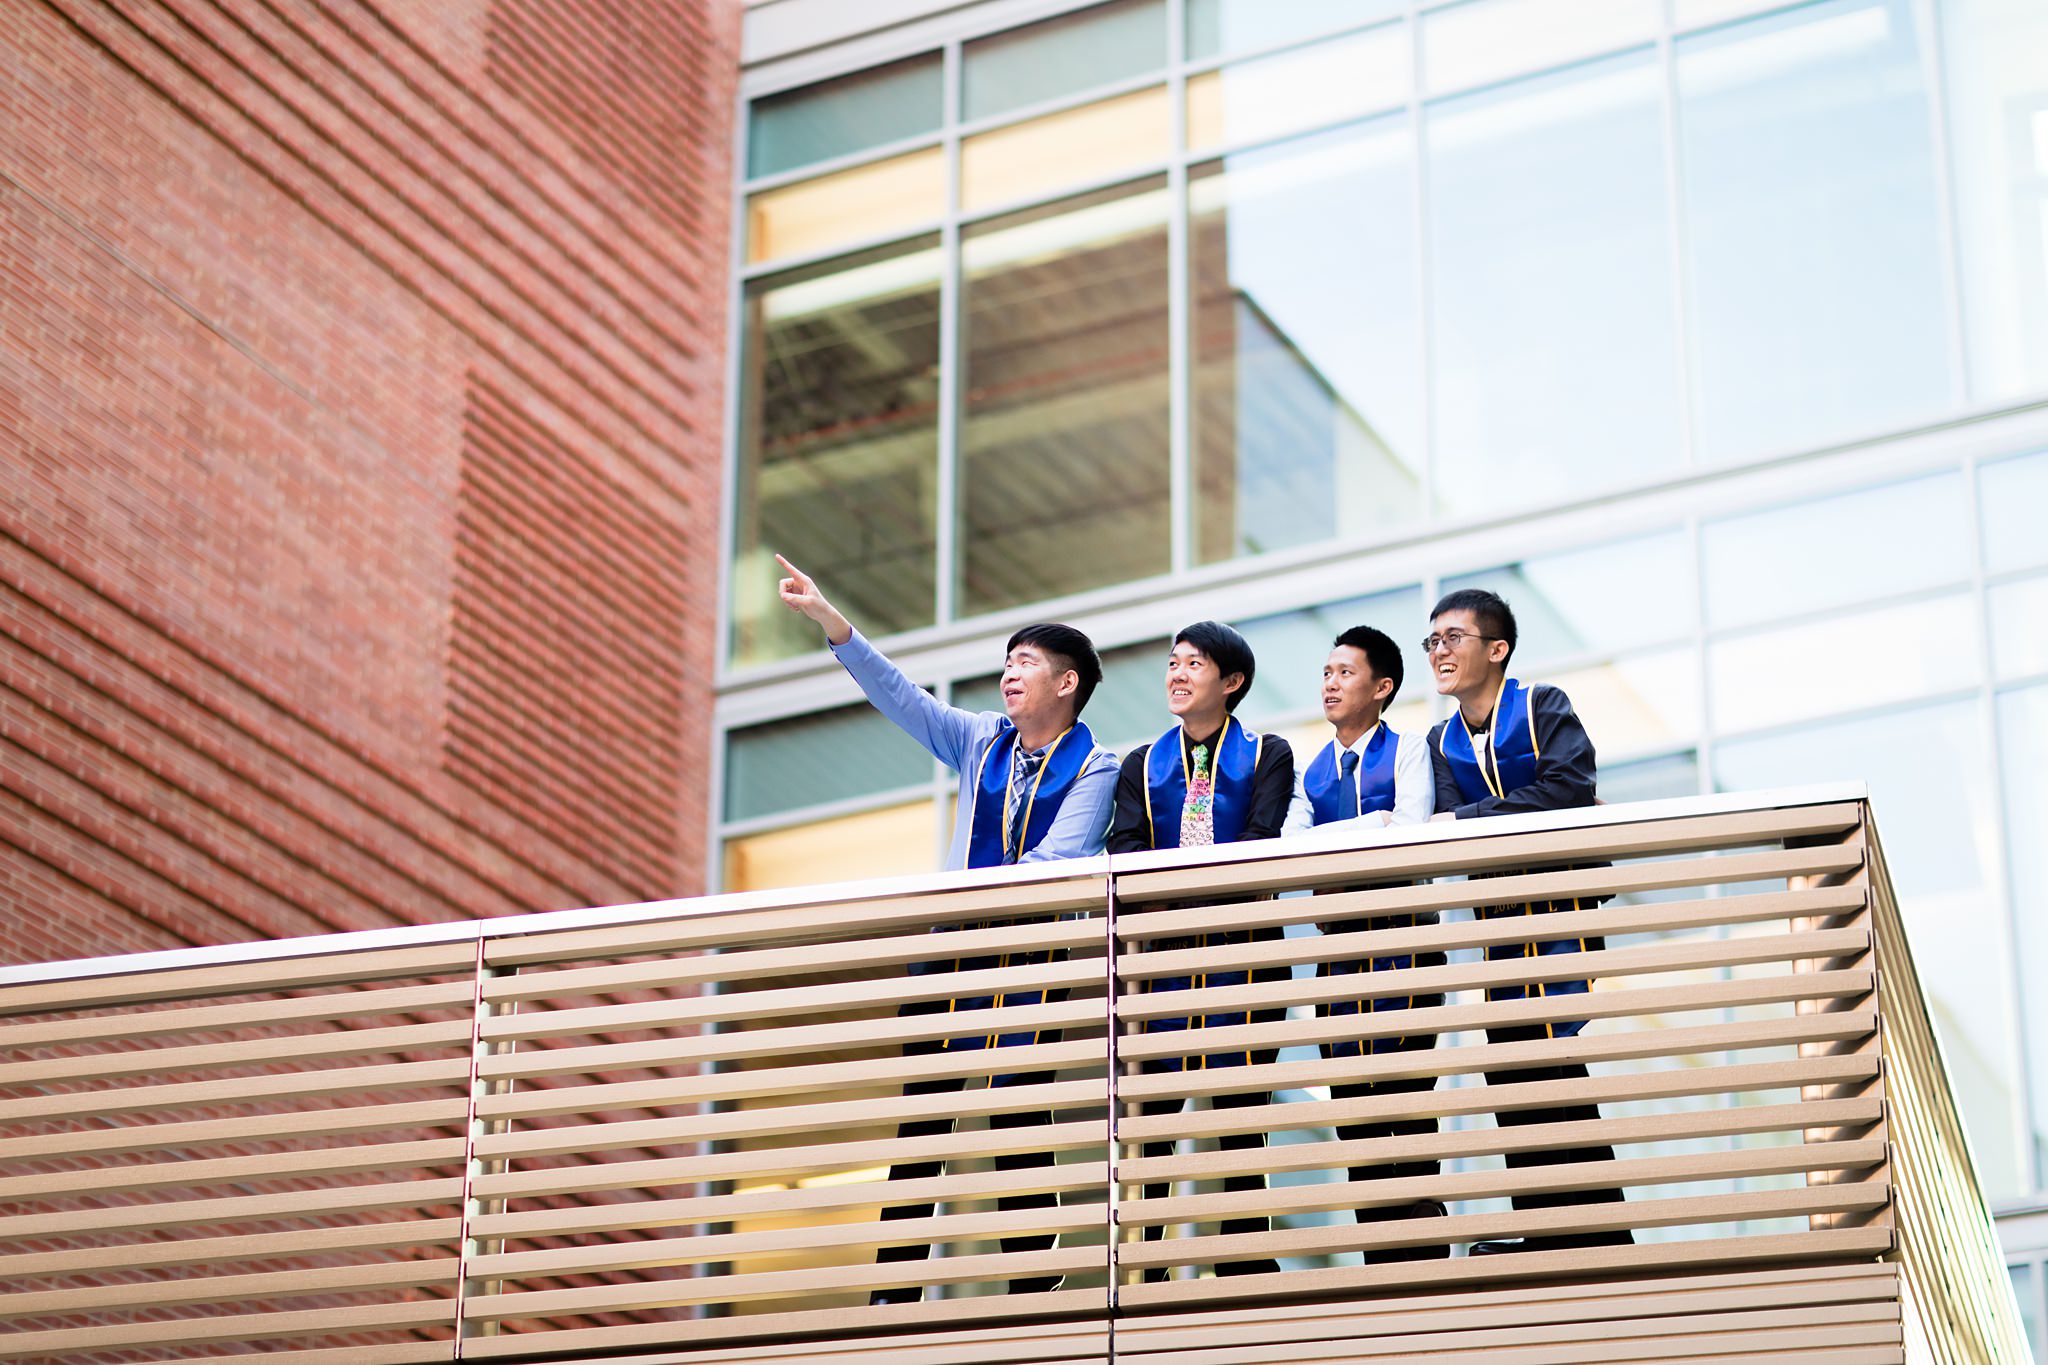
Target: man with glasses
(1510, 748)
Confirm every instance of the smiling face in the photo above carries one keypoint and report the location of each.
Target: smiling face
(1352, 693)
(1038, 688)
(1463, 664)
(1196, 689)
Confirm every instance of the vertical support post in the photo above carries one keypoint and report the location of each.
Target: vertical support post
(1112, 1115)
(474, 1167)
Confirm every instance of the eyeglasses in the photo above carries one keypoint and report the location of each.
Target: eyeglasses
(1452, 638)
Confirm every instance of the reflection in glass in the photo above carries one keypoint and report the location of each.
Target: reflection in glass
(1848, 548)
(838, 117)
(1063, 56)
(827, 756)
(1844, 663)
(1490, 40)
(1291, 647)
(1219, 27)
(1550, 265)
(838, 450)
(2023, 736)
(1043, 155)
(896, 841)
(2026, 1287)
(1815, 250)
(1604, 597)
(857, 205)
(1063, 432)
(2013, 494)
(1930, 782)
(1996, 52)
(1306, 88)
(1128, 707)
(1636, 703)
(1307, 370)
(1651, 779)
(2019, 628)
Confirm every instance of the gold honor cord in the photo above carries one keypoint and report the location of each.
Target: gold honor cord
(1024, 825)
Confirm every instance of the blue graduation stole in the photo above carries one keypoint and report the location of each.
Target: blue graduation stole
(1510, 744)
(1375, 778)
(1231, 770)
(1064, 760)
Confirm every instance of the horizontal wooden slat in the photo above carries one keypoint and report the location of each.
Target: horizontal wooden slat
(151, 1136)
(350, 1160)
(227, 1327)
(266, 1286)
(246, 1052)
(839, 958)
(339, 1080)
(250, 1247)
(241, 978)
(1585, 1047)
(342, 1004)
(332, 1200)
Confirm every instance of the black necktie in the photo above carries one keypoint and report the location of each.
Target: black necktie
(1347, 786)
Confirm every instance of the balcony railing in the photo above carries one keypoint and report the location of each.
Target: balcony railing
(667, 1131)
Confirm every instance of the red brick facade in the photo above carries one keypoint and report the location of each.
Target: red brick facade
(359, 442)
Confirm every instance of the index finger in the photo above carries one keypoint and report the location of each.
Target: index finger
(794, 572)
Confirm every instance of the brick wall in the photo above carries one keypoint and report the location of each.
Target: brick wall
(359, 411)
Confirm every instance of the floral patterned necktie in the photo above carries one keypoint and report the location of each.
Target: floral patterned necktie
(1198, 811)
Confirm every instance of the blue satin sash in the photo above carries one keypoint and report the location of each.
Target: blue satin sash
(1375, 778)
(1232, 769)
(1066, 758)
(1511, 743)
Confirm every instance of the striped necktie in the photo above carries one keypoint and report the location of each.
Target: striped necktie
(1017, 804)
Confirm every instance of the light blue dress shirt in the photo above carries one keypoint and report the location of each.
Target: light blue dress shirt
(959, 738)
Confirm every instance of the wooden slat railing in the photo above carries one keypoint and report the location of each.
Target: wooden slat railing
(667, 1132)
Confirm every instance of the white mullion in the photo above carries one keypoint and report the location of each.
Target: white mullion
(946, 496)
(1179, 311)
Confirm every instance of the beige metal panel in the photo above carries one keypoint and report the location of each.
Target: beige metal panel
(1603, 1004)
(241, 978)
(261, 1246)
(829, 1117)
(1599, 1047)
(1610, 920)
(347, 1042)
(767, 1082)
(789, 1162)
(848, 955)
(262, 1287)
(797, 1000)
(1834, 1243)
(226, 1327)
(837, 1035)
(1734, 1121)
(1136, 923)
(151, 1136)
(809, 921)
(1484, 854)
(397, 1353)
(350, 1160)
(1490, 1098)
(1592, 1175)
(342, 1004)
(342, 1080)
(334, 1200)
(649, 1214)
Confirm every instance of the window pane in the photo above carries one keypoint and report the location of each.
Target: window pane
(836, 755)
(1652, 779)
(1816, 260)
(1291, 646)
(838, 454)
(1216, 27)
(1064, 56)
(1854, 547)
(1996, 53)
(1844, 663)
(2013, 494)
(1489, 40)
(1039, 156)
(1931, 789)
(1700, 13)
(1307, 88)
(895, 842)
(1064, 400)
(1638, 703)
(1550, 265)
(1129, 707)
(2019, 628)
(2026, 1287)
(852, 206)
(1605, 597)
(839, 117)
(1307, 367)
(2023, 737)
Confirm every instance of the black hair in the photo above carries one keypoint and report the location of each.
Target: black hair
(1493, 615)
(1224, 647)
(1380, 652)
(1064, 648)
